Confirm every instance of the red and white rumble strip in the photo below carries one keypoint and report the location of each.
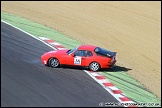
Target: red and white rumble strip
(110, 87)
(98, 77)
(53, 43)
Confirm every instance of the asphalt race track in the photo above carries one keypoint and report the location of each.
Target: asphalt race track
(25, 81)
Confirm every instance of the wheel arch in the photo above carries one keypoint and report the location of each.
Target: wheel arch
(51, 58)
(92, 68)
(96, 62)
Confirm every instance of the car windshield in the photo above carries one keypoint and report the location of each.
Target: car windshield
(71, 50)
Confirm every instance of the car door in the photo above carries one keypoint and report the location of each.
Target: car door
(77, 58)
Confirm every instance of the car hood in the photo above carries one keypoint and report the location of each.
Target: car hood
(58, 52)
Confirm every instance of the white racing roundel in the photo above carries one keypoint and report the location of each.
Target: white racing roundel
(77, 60)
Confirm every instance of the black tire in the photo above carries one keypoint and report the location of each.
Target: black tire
(53, 62)
(94, 66)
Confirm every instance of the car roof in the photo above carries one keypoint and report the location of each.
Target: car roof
(87, 47)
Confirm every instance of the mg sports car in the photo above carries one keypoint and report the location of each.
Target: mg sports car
(90, 56)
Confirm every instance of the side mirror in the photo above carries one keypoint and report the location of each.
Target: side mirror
(72, 55)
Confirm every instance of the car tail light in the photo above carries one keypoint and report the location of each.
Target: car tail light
(113, 58)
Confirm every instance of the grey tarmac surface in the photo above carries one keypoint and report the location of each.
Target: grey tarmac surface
(26, 82)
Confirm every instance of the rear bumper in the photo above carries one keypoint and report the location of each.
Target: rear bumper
(110, 65)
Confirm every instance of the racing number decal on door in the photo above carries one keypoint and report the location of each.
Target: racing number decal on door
(77, 60)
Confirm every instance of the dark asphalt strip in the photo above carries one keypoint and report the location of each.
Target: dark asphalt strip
(25, 81)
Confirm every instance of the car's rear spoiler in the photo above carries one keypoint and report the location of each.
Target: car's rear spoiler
(111, 54)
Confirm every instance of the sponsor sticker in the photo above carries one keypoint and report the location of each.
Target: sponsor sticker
(108, 55)
(77, 60)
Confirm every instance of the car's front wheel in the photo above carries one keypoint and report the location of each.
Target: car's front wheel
(94, 66)
(53, 62)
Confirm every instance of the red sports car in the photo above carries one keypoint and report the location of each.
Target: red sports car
(93, 57)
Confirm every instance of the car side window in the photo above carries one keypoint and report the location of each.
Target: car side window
(83, 53)
(80, 53)
(89, 53)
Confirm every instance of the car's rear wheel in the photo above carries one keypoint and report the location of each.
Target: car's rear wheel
(53, 62)
(94, 66)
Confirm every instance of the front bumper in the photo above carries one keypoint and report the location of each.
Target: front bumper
(44, 59)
